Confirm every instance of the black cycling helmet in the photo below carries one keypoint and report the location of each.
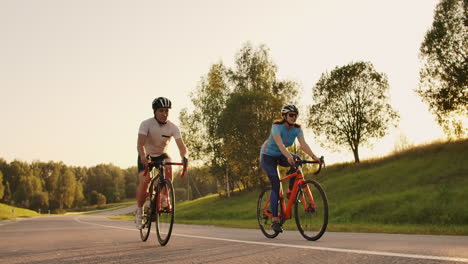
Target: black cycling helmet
(161, 102)
(289, 108)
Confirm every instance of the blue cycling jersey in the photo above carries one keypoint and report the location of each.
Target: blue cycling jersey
(288, 135)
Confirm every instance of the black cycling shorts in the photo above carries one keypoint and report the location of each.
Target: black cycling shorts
(160, 158)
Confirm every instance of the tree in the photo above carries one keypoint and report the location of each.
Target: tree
(66, 189)
(40, 200)
(443, 77)
(351, 106)
(97, 198)
(51, 174)
(7, 196)
(200, 129)
(245, 125)
(79, 198)
(131, 178)
(28, 184)
(20, 196)
(2, 187)
(107, 180)
(80, 176)
(5, 193)
(14, 172)
(250, 109)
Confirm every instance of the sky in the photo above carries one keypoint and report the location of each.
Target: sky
(78, 77)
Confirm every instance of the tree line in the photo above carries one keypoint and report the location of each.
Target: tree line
(57, 187)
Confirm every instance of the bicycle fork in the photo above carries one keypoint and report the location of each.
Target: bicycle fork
(308, 203)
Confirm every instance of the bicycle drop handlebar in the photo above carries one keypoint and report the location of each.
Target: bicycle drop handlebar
(321, 163)
(183, 163)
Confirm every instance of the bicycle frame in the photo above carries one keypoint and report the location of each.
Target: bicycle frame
(287, 210)
(160, 176)
(160, 167)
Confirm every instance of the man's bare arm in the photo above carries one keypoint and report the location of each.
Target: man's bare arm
(141, 149)
(182, 147)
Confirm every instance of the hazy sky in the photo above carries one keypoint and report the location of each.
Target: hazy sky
(78, 77)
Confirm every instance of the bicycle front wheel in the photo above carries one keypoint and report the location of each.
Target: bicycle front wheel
(264, 213)
(311, 210)
(165, 209)
(147, 215)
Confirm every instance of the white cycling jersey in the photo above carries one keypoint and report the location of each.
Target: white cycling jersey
(158, 136)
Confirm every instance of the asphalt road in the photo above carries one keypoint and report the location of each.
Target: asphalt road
(97, 239)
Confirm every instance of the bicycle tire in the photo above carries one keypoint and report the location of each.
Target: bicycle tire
(147, 214)
(311, 220)
(264, 221)
(165, 215)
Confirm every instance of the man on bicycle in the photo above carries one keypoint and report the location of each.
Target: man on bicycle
(273, 153)
(153, 138)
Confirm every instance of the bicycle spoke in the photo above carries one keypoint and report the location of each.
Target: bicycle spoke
(264, 214)
(311, 210)
(146, 217)
(165, 211)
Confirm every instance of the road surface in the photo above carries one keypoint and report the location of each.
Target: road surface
(97, 239)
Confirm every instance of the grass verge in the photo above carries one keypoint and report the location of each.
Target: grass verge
(10, 212)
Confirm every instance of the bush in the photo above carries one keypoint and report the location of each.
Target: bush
(101, 199)
(97, 198)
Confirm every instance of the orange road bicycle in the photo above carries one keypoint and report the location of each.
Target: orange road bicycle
(309, 201)
(159, 206)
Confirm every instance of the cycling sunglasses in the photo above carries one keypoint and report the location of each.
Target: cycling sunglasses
(292, 115)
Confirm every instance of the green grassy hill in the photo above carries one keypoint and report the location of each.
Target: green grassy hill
(421, 190)
(7, 213)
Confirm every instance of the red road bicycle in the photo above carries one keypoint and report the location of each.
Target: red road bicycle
(159, 206)
(309, 201)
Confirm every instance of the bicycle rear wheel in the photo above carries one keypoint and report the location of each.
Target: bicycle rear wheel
(264, 213)
(165, 208)
(311, 210)
(147, 215)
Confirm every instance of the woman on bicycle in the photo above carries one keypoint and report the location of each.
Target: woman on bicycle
(273, 153)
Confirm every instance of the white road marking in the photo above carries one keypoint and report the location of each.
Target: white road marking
(341, 250)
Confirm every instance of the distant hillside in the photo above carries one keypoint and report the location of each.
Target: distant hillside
(421, 190)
